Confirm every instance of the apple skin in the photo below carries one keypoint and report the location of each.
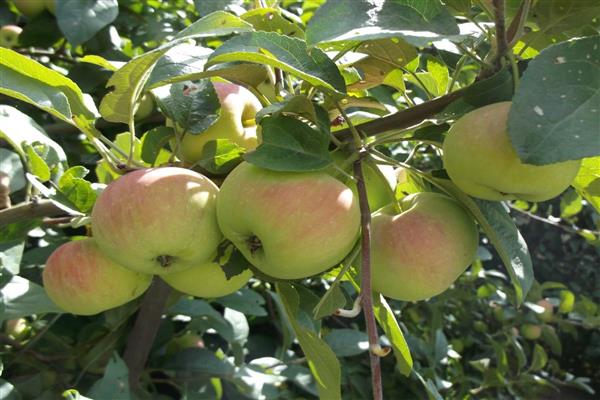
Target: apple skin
(81, 280)
(289, 225)
(531, 331)
(482, 162)
(9, 36)
(420, 252)
(145, 107)
(158, 220)
(236, 123)
(548, 313)
(30, 8)
(207, 280)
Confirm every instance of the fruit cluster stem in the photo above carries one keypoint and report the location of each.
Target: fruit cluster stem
(145, 328)
(365, 282)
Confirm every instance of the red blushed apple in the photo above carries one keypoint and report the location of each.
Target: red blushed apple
(289, 225)
(158, 220)
(420, 252)
(81, 280)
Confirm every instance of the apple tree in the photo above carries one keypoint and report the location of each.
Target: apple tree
(290, 199)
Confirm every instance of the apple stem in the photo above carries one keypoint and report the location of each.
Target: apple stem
(145, 328)
(365, 280)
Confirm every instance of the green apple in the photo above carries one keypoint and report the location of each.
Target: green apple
(548, 313)
(9, 36)
(17, 328)
(158, 220)
(189, 340)
(207, 280)
(81, 280)
(482, 162)
(50, 6)
(531, 331)
(420, 252)
(289, 225)
(30, 8)
(236, 122)
(145, 107)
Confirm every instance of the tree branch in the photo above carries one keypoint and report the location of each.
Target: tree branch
(145, 328)
(33, 209)
(365, 281)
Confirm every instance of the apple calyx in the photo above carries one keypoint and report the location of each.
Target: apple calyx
(165, 260)
(254, 244)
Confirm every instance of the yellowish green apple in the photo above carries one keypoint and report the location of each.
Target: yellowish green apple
(531, 331)
(482, 162)
(207, 280)
(9, 36)
(82, 280)
(30, 8)
(548, 313)
(289, 225)
(158, 220)
(236, 122)
(145, 107)
(420, 252)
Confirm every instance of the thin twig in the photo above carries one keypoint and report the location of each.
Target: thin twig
(32, 209)
(574, 229)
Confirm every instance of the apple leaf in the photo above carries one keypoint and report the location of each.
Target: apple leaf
(11, 253)
(199, 361)
(322, 361)
(587, 181)
(298, 105)
(77, 190)
(347, 342)
(289, 144)
(21, 297)
(245, 300)
(220, 156)
(555, 115)
(114, 384)
(80, 20)
(204, 316)
(286, 53)
(417, 22)
(13, 168)
(270, 20)
(153, 142)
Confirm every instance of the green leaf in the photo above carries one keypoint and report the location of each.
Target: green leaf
(323, 363)
(244, 300)
(153, 142)
(270, 20)
(298, 105)
(555, 17)
(417, 22)
(289, 144)
(330, 302)
(387, 320)
(587, 181)
(13, 168)
(199, 361)
(114, 384)
(286, 53)
(570, 204)
(77, 190)
(22, 297)
(567, 301)
(347, 342)
(80, 20)
(11, 253)
(36, 164)
(393, 51)
(129, 81)
(555, 115)
(29, 81)
(220, 156)
(540, 358)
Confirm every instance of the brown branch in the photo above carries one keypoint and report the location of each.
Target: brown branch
(365, 281)
(515, 29)
(33, 209)
(4, 191)
(145, 328)
(501, 42)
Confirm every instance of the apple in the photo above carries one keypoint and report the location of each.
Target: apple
(236, 122)
(158, 220)
(531, 331)
(30, 8)
(482, 162)
(289, 225)
(9, 36)
(81, 280)
(17, 328)
(145, 107)
(548, 313)
(207, 280)
(189, 340)
(420, 252)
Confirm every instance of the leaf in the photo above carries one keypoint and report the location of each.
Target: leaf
(36, 164)
(11, 253)
(29, 81)
(77, 190)
(114, 384)
(239, 323)
(220, 156)
(555, 115)
(322, 362)
(540, 358)
(153, 142)
(129, 81)
(198, 361)
(270, 20)
(244, 300)
(393, 51)
(417, 22)
(347, 342)
(13, 168)
(330, 302)
(587, 181)
(80, 20)
(289, 54)
(22, 297)
(289, 144)
(389, 324)
(558, 16)
(503, 235)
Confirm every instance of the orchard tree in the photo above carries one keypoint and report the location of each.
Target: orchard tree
(228, 199)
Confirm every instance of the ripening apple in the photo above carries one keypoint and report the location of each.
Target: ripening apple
(189, 340)
(548, 313)
(9, 36)
(289, 225)
(81, 280)
(482, 162)
(30, 8)
(420, 252)
(145, 107)
(207, 280)
(158, 220)
(531, 331)
(236, 122)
